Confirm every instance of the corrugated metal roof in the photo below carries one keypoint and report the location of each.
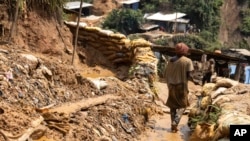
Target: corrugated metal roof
(149, 26)
(242, 51)
(76, 5)
(181, 20)
(129, 1)
(165, 17)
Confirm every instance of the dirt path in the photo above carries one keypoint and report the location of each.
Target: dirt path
(161, 130)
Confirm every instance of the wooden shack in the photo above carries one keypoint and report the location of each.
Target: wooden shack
(225, 57)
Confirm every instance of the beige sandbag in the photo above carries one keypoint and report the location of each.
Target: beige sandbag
(114, 48)
(221, 99)
(89, 34)
(105, 33)
(117, 41)
(229, 118)
(118, 36)
(144, 59)
(203, 132)
(205, 101)
(106, 42)
(112, 56)
(140, 43)
(194, 112)
(218, 92)
(108, 52)
(74, 24)
(226, 82)
(227, 107)
(103, 48)
(126, 42)
(94, 45)
(103, 39)
(142, 49)
(207, 89)
(124, 48)
(92, 29)
(89, 38)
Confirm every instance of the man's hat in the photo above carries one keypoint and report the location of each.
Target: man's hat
(181, 49)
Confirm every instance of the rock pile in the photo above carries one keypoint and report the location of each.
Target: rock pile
(43, 98)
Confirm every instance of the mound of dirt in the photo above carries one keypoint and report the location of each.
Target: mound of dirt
(44, 96)
(103, 7)
(31, 82)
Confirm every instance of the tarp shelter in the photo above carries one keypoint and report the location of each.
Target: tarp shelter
(236, 52)
(76, 5)
(167, 20)
(73, 7)
(134, 4)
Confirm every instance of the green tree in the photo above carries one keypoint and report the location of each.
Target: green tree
(204, 13)
(125, 20)
(149, 6)
(245, 26)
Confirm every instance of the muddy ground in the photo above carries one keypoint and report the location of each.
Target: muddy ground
(72, 106)
(44, 97)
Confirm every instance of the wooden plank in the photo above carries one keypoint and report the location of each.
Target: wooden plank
(195, 54)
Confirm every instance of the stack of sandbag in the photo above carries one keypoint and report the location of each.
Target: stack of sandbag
(115, 46)
(119, 49)
(223, 90)
(203, 115)
(199, 109)
(233, 101)
(226, 119)
(229, 106)
(144, 60)
(212, 94)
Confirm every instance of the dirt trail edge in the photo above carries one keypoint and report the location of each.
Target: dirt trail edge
(161, 130)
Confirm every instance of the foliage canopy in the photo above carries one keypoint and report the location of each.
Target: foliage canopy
(125, 20)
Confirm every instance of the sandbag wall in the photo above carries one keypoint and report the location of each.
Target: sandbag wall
(118, 48)
(220, 104)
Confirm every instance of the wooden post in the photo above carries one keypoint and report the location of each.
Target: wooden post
(77, 29)
(248, 71)
(237, 72)
(1, 30)
(175, 28)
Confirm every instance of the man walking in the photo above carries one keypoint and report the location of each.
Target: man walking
(177, 74)
(210, 70)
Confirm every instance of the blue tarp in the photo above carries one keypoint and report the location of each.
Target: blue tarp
(247, 73)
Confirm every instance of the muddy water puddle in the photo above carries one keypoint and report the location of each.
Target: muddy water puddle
(162, 131)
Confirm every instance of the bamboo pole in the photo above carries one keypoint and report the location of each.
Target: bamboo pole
(175, 22)
(76, 35)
